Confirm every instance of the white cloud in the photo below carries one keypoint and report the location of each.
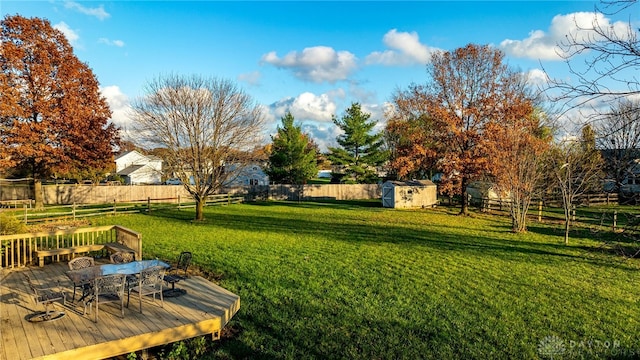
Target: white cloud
(98, 12)
(252, 78)
(69, 33)
(316, 64)
(544, 45)
(537, 77)
(118, 43)
(119, 105)
(377, 112)
(313, 112)
(306, 106)
(405, 49)
(322, 134)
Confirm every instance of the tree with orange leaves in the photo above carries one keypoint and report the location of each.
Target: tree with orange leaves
(410, 136)
(53, 120)
(468, 89)
(466, 92)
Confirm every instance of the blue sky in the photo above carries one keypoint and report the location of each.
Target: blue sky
(311, 58)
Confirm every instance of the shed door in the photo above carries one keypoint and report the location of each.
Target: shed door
(387, 197)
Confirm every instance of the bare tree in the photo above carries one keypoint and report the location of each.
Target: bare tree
(576, 166)
(518, 162)
(611, 60)
(619, 140)
(206, 125)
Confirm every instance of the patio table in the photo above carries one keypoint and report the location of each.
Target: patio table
(131, 268)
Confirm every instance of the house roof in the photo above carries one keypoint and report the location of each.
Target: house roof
(130, 169)
(125, 153)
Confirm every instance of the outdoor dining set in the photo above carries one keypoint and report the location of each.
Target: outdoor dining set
(96, 285)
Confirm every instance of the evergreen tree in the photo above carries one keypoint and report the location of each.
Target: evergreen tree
(292, 159)
(360, 151)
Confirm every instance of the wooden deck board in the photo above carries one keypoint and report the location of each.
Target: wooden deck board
(205, 309)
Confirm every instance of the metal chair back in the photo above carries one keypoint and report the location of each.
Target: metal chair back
(108, 288)
(121, 257)
(149, 283)
(184, 260)
(80, 263)
(45, 296)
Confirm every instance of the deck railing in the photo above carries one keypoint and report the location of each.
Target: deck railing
(18, 250)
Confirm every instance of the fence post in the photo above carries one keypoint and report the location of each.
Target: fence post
(25, 213)
(539, 210)
(148, 204)
(573, 213)
(228, 198)
(114, 207)
(178, 202)
(73, 211)
(615, 219)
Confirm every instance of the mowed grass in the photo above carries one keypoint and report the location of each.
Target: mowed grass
(343, 281)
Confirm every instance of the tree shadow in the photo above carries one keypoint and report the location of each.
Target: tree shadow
(445, 238)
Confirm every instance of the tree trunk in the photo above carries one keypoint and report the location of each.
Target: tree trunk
(464, 208)
(567, 222)
(519, 210)
(199, 209)
(37, 193)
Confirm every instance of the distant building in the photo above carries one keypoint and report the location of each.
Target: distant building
(631, 183)
(481, 191)
(136, 168)
(249, 175)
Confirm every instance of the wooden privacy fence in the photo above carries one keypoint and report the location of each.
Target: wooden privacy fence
(19, 250)
(67, 194)
(310, 192)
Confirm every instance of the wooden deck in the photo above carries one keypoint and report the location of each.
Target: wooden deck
(205, 309)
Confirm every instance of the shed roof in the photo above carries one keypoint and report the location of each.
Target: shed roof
(412, 183)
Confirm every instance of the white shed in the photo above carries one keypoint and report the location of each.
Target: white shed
(409, 194)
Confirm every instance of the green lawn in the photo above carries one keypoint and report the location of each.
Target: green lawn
(344, 281)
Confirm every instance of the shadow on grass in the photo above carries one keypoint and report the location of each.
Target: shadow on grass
(280, 324)
(338, 204)
(443, 238)
(605, 242)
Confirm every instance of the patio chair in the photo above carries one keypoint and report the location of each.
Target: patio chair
(106, 289)
(80, 263)
(122, 257)
(45, 296)
(149, 283)
(176, 273)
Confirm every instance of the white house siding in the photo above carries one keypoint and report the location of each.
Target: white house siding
(137, 168)
(251, 174)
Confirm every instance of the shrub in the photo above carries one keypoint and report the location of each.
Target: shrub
(11, 225)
